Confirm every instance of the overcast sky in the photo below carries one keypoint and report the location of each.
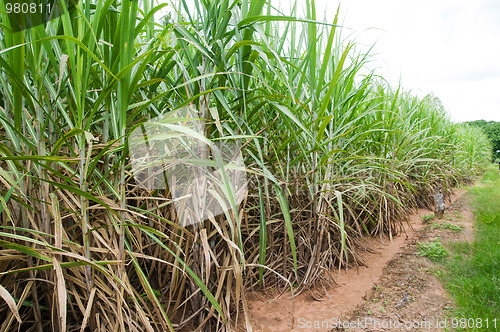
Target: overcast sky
(448, 47)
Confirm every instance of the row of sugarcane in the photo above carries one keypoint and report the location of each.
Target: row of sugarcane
(331, 153)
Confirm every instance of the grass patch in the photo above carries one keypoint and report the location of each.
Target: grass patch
(490, 176)
(473, 270)
(428, 218)
(433, 250)
(448, 226)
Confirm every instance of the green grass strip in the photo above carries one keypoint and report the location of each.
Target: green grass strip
(473, 270)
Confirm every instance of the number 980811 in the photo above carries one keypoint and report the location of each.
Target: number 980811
(27, 8)
(25, 14)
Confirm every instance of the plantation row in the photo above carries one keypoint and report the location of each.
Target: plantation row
(330, 153)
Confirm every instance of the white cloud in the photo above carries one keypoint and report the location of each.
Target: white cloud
(449, 47)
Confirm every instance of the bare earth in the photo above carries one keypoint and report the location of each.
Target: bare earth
(399, 290)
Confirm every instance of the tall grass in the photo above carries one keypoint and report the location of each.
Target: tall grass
(330, 155)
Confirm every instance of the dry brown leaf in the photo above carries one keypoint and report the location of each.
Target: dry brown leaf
(88, 309)
(61, 295)
(10, 302)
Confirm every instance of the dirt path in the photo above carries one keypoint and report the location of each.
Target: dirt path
(397, 286)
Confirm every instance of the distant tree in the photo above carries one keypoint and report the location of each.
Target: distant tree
(492, 130)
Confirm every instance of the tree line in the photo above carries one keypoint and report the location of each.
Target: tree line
(492, 130)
